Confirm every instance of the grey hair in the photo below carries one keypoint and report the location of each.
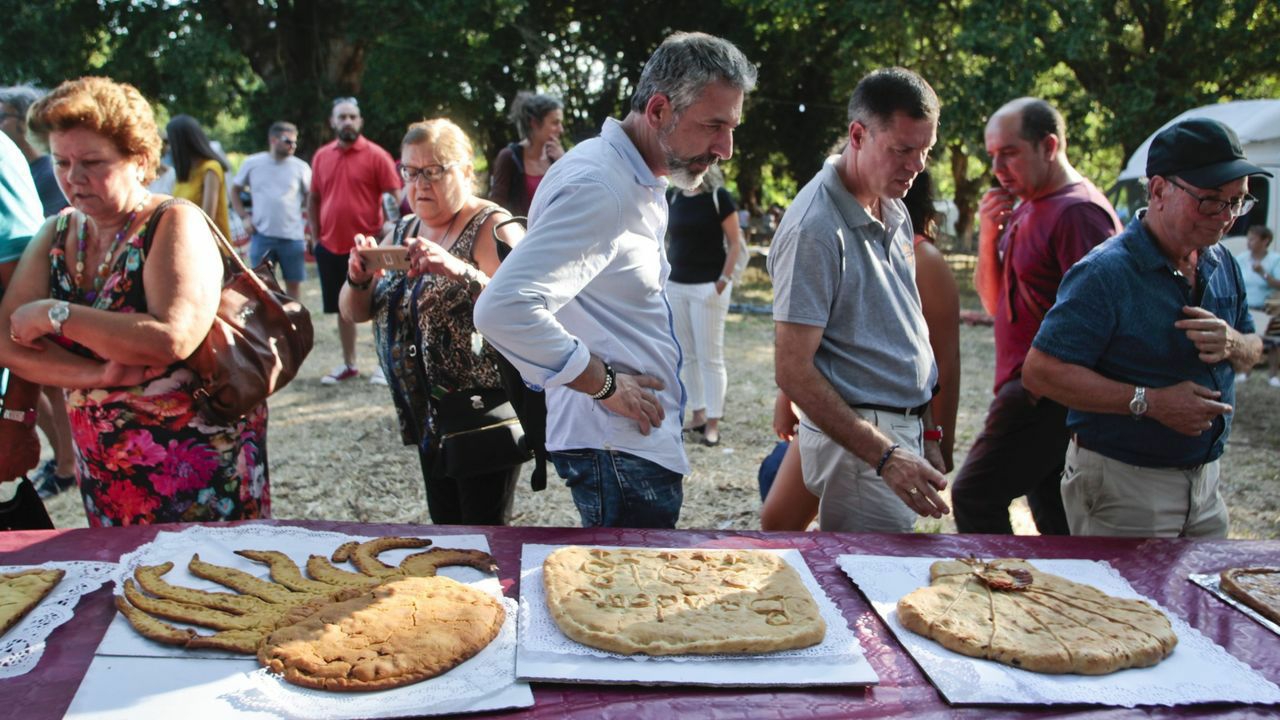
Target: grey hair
(884, 92)
(528, 107)
(712, 179)
(685, 63)
(21, 97)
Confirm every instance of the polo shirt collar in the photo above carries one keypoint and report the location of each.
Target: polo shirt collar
(360, 144)
(850, 209)
(1146, 254)
(617, 138)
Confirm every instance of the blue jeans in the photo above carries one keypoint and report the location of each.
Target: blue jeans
(290, 254)
(616, 489)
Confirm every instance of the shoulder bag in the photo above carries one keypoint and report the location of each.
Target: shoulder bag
(258, 341)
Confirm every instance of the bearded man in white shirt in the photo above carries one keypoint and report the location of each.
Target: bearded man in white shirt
(580, 306)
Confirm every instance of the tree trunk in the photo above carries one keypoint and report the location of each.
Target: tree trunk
(305, 56)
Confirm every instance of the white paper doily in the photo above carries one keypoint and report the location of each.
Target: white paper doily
(456, 691)
(540, 634)
(1198, 671)
(22, 646)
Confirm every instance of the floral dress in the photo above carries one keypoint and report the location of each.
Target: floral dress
(426, 338)
(143, 454)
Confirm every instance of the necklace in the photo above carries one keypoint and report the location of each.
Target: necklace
(104, 267)
(448, 230)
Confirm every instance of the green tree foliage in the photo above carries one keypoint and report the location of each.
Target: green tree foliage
(1116, 68)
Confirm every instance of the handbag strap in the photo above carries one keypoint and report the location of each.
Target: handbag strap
(230, 258)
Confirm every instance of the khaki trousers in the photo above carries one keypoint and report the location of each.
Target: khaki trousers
(852, 498)
(1103, 496)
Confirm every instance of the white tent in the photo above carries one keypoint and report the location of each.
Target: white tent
(1257, 122)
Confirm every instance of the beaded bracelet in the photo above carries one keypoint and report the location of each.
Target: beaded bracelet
(610, 384)
(358, 285)
(885, 458)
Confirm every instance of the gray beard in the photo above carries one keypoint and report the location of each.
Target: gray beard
(348, 135)
(679, 169)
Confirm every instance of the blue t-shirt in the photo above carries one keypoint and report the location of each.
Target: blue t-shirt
(1115, 314)
(20, 209)
(1256, 288)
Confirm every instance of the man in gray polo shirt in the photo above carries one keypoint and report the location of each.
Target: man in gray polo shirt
(852, 349)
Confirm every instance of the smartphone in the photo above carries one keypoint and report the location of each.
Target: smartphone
(394, 257)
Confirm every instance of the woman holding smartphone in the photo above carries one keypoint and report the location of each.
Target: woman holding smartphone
(423, 329)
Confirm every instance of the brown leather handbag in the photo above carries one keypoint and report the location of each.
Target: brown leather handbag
(258, 341)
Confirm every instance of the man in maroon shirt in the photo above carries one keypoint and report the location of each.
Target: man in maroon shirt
(1043, 217)
(348, 178)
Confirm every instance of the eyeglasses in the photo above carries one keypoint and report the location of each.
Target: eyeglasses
(431, 173)
(287, 141)
(1213, 206)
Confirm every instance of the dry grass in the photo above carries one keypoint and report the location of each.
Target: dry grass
(335, 451)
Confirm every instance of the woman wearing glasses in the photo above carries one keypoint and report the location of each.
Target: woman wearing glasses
(426, 340)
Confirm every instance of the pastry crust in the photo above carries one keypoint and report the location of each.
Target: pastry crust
(403, 631)
(1008, 611)
(656, 602)
(1257, 587)
(21, 591)
(242, 621)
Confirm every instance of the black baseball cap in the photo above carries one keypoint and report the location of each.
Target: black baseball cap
(1201, 151)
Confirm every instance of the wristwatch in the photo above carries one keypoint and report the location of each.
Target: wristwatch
(1138, 405)
(58, 314)
(934, 435)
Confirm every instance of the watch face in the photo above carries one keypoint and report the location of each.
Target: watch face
(60, 312)
(1137, 406)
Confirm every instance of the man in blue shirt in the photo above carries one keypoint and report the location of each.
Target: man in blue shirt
(1143, 345)
(579, 307)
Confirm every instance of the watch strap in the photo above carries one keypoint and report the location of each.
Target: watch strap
(26, 417)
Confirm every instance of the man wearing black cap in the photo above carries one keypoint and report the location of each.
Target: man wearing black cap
(1143, 345)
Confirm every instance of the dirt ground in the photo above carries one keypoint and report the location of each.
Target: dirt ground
(335, 452)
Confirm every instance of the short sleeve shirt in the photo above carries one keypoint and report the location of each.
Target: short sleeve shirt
(1255, 286)
(1043, 238)
(350, 182)
(20, 209)
(278, 188)
(835, 267)
(696, 248)
(1115, 314)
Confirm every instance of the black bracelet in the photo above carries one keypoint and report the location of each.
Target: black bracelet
(610, 384)
(359, 285)
(885, 458)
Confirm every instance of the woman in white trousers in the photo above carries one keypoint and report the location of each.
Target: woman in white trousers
(703, 247)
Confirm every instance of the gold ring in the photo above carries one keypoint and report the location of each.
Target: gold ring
(913, 491)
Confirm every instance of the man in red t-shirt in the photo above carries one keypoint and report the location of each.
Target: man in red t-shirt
(1043, 217)
(348, 178)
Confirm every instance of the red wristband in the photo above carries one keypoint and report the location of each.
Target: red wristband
(934, 435)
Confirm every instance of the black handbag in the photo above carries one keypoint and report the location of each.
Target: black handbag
(479, 433)
(25, 511)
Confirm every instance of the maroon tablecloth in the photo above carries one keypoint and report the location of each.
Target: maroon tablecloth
(1155, 568)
